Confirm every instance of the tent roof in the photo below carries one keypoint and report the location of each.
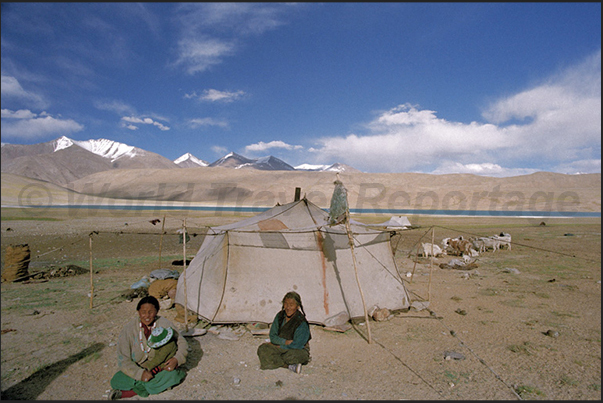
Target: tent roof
(301, 215)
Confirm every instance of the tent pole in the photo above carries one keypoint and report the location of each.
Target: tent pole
(184, 274)
(161, 241)
(349, 231)
(413, 268)
(91, 283)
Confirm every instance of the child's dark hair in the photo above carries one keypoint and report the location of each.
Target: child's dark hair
(149, 299)
(297, 298)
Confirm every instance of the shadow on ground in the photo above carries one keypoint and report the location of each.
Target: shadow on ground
(31, 387)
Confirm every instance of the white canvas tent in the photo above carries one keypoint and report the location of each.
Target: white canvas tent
(242, 270)
(394, 223)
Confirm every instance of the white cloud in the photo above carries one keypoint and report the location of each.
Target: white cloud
(11, 89)
(20, 114)
(197, 55)
(119, 107)
(200, 122)
(212, 31)
(487, 169)
(216, 95)
(144, 121)
(130, 122)
(243, 18)
(554, 124)
(564, 113)
(406, 138)
(261, 146)
(581, 166)
(19, 126)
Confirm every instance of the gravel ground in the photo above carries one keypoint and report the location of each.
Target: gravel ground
(55, 347)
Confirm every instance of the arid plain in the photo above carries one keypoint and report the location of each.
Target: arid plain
(527, 321)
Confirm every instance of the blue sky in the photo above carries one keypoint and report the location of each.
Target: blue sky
(497, 89)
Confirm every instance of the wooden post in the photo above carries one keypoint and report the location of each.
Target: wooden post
(351, 239)
(184, 275)
(412, 275)
(161, 241)
(91, 282)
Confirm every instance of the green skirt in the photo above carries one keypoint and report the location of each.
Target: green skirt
(272, 356)
(160, 382)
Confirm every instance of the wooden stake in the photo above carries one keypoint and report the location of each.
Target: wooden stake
(161, 241)
(184, 274)
(413, 269)
(91, 282)
(351, 239)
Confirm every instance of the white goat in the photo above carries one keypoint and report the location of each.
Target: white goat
(490, 243)
(478, 244)
(482, 244)
(504, 239)
(427, 248)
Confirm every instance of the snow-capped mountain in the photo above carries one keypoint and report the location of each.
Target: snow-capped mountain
(269, 163)
(64, 160)
(336, 167)
(188, 160)
(310, 167)
(231, 160)
(110, 149)
(236, 161)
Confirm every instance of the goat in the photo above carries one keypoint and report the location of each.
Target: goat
(427, 248)
(478, 244)
(458, 246)
(504, 239)
(490, 243)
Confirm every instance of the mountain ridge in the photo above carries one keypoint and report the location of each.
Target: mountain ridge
(64, 160)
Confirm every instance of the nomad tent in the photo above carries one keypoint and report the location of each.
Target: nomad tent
(394, 223)
(242, 270)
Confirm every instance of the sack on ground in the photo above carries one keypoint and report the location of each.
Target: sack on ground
(160, 288)
(16, 263)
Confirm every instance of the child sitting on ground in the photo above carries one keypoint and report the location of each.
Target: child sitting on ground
(163, 347)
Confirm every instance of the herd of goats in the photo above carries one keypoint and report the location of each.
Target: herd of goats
(467, 248)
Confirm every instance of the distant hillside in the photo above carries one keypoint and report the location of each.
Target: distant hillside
(21, 191)
(223, 186)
